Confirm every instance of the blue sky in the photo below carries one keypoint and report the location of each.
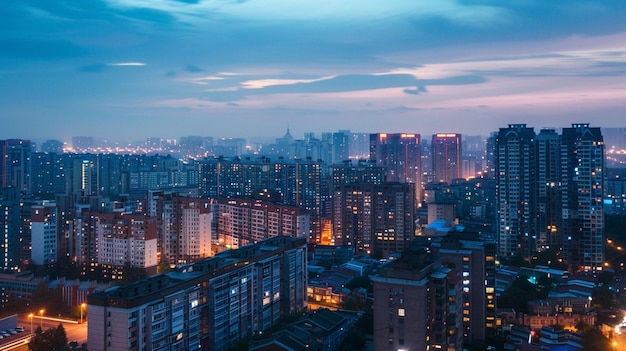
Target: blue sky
(131, 69)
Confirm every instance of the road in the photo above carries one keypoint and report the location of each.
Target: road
(19, 342)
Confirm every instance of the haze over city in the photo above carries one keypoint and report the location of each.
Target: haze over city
(126, 70)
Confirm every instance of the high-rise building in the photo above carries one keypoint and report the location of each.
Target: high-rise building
(446, 157)
(209, 305)
(417, 304)
(549, 191)
(515, 190)
(341, 146)
(294, 182)
(475, 262)
(374, 218)
(183, 226)
(362, 172)
(44, 233)
(15, 164)
(583, 179)
(52, 146)
(401, 155)
(125, 244)
(11, 235)
(242, 222)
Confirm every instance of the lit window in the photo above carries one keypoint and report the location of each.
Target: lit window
(400, 312)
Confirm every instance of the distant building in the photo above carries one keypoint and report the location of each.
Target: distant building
(446, 157)
(208, 305)
(52, 146)
(82, 143)
(294, 182)
(401, 155)
(341, 146)
(15, 164)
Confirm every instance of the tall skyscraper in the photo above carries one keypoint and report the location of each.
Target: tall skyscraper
(446, 157)
(583, 189)
(549, 191)
(515, 189)
(401, 155)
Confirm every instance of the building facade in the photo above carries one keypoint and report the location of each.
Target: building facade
(417, 305)
(44, 234)
(549, 193)
(515, 188)
(125, 243)
(242, 222)
(401, 155)
(15, 164)
(374, 218)
(583, 191)
(208, 305)
(446, 157)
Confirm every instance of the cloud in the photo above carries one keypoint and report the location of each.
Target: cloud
(127, 64)
(338, 84)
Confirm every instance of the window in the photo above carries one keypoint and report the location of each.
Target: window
(400, 312)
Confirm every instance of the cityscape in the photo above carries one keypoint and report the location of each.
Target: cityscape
(275, 175)
(514, 241)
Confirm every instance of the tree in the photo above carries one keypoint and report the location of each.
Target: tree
(53, 339)
(593, 340)
(521, 292)
(360, 282)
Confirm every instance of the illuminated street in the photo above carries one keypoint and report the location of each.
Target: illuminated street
(73, 330)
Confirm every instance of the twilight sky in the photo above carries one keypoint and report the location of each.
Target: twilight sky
(131, 69)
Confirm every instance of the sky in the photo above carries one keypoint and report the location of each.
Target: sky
(131, 69)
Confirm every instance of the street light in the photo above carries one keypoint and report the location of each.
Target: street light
(82, 306)
(30, 315)
(41, 311)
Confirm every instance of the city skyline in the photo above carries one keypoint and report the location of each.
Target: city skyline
(126, 70)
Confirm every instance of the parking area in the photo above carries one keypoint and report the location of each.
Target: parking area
(10, 334)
